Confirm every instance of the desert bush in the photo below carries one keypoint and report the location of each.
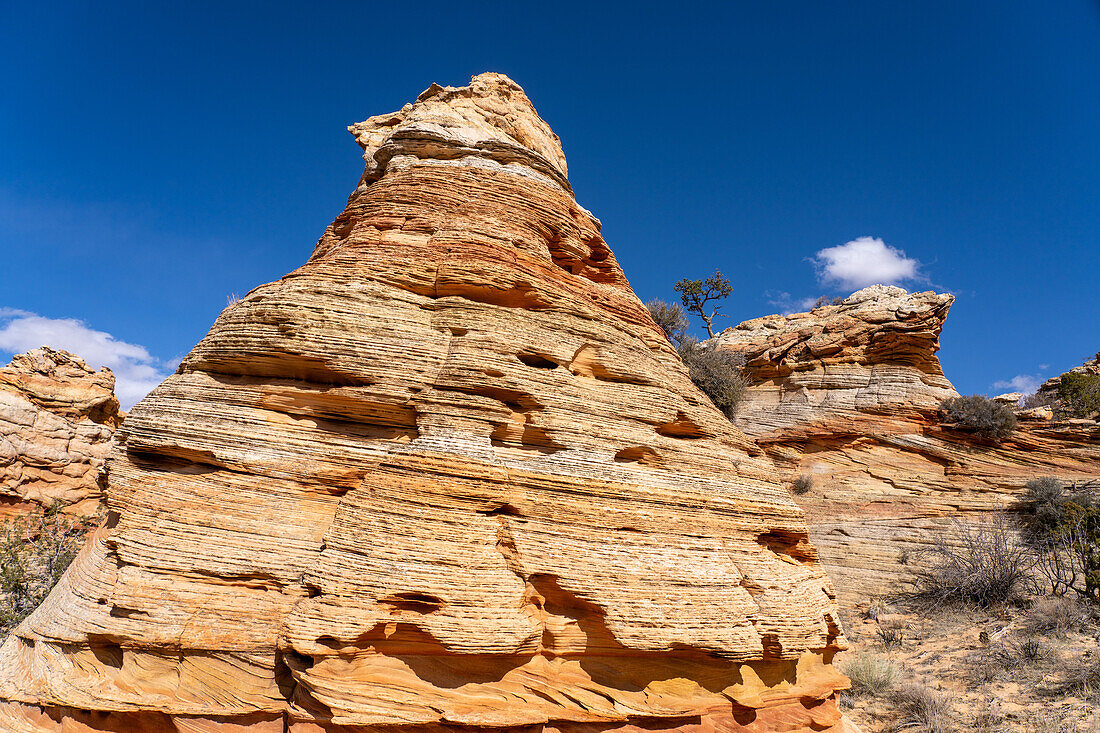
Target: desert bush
(871, 675)
(1046, 503)
(923, 709)
(983, 564)
(875, 608)
(716, 372)
(1064, 527)
(1038, 399)
(979, 415)
(1080, 393)
(1081, 677)
(35, 550)
(891, 635)
(1056, 616)
(990, 718)
(1012, 654)
(803, 484)
(1049, 721)
(670, 317)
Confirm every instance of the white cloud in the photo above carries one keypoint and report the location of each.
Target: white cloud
(865, 261)
(1026, 383)
(136, 371)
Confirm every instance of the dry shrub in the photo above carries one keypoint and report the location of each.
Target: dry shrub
(1081, 677)
(983, 564)
(1049, 721)
(716, 372)
(979, 415)
(891, 635)
(875, 608)
(990, 718)
(670, 317)
(803, 484)
(923, 709)
(1057, 615)
(871, 675)
(1009, 656)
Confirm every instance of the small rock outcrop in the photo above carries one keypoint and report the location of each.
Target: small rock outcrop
(448, 475)
(57, 418)
(848, 395)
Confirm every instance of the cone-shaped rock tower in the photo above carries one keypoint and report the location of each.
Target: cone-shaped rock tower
(446, 475)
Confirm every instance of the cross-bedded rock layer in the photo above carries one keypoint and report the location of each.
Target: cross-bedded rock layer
(57, 417)
(848, 394)
(446, 475)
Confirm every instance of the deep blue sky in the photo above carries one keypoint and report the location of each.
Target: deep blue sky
(155, 158)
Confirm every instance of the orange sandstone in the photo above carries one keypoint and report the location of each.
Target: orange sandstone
(446, 475)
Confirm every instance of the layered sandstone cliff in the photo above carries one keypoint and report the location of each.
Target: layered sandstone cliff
(847, 394)
(447, 474)
(57, 417)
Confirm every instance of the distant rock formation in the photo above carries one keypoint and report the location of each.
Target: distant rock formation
(873, 353)
(57, 417)
(447, 475)
(848, 394)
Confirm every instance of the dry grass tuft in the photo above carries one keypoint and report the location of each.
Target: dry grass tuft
(923, 709)
(871, 675)
(1054, 615)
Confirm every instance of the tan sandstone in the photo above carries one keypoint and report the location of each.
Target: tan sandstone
(448, 475)
(847, 394)
(57, 418)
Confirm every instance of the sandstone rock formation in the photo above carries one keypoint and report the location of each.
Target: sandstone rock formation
(847, 394)
(1048, 390)
(57, 417)
(446, 475)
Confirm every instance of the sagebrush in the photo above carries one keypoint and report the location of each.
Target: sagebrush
(979, 415)
(870, 674)
(716, 372)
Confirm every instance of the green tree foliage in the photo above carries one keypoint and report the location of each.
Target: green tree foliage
(1080, 393)
(979, 415)
(35, 550)
(1064, 526)
(695, 294)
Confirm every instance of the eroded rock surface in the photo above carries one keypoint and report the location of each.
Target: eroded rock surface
(57, 418)
(446, 475)
(847, 394)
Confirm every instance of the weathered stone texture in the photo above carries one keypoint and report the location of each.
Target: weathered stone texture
(848, 395)
(448, 474)
(57, 417)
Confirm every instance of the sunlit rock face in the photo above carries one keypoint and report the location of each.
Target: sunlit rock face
(848, 395)
(446, 475)
(57, 417)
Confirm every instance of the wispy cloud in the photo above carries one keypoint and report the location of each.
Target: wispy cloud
(1026, 383)
(788, 304)
(864, 261)
(136, 371)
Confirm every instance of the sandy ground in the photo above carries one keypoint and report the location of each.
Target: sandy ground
(993, 669)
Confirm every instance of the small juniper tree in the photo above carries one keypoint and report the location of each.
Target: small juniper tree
(695, 294)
